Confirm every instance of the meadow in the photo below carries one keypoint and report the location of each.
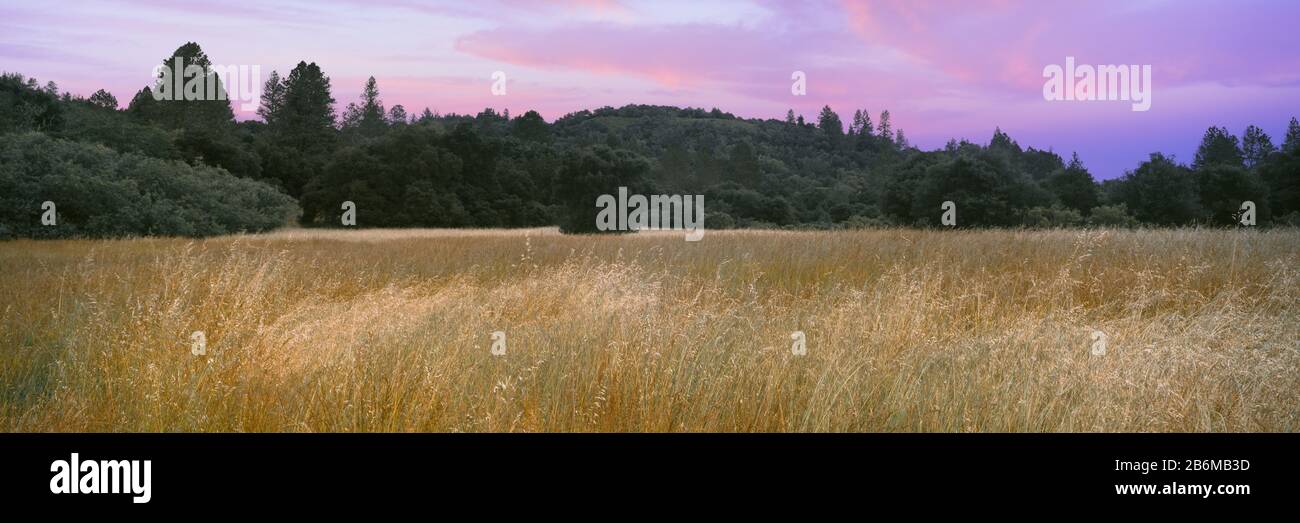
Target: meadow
(906, 330)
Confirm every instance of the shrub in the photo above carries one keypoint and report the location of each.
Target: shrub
(1111, 216)
(1052, 217)
(99, 192)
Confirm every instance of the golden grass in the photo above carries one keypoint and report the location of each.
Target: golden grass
(906, 331)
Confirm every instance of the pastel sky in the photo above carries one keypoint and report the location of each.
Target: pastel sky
(943, 69)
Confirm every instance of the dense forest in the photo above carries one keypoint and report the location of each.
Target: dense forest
(189, 168)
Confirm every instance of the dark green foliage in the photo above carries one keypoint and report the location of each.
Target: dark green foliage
(1223, 188)
(306, 122)
(586, 174)
(984, 190)
(24, 106)
(369, 119)
(299, 135)
(491, 170)
(830, 125)
(414, 175)
(1074, 187)
(1292, 136)
(1281, 175)
(114, 129)
(1052, 217)
(531, 127)
(1256, 146)
(1161, 192)
(1111, 216)
(211, 108)
(1218, 147)
(103, 99)
(102, 193)
(272, 106)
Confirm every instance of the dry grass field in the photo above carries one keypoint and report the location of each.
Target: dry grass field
(906, 330)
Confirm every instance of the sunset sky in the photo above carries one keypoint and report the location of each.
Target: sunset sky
(943, 69)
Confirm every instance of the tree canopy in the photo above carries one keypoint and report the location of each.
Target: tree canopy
(492, 169)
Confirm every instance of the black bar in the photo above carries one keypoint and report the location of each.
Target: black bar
(929, 471)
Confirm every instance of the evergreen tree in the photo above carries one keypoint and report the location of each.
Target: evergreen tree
(25, 107)
(201, 103)
(1002, 142)
(885, 130)
(1074, 186)
(1256, 146)
(531, 127)
(1161, 191)
(1292, 141)
(369, 117)
(1218, 147)
(1223, 188)
(103, 99)
(1281, 173)
(397, 115)
(372, 109)
(307, 114)
(272, 98)
(830, 124)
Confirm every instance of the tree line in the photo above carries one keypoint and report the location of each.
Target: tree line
(187, 167)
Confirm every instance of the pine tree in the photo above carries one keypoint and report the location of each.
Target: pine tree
(397, 115)
(884, 128)
(866, 128)
(1256, 146)
(306, 117)
(789, 117)
(1218, 147)
(830, 123)
(373, 119)
(1002, 141)
(103, 99)
(1074, 186)
(272, 98)
(207, 109)
(1292, 141)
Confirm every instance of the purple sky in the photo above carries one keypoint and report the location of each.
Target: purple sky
(943, 69)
